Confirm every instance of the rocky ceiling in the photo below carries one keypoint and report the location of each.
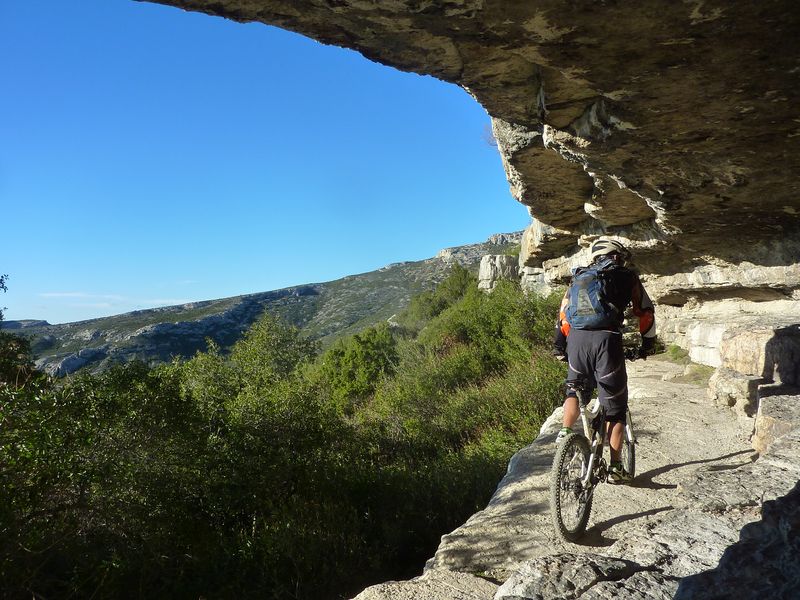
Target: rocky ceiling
(674, 124)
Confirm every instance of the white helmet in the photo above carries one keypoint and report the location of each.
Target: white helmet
(604, 246)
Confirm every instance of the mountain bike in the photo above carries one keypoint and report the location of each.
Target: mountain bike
(579, 466)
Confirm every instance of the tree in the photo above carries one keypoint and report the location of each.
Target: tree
(16, 359)
(428, 305)
(270, 351)
(3, 287)
(353, 367)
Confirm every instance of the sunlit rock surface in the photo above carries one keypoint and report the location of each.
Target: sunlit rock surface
(495, 267)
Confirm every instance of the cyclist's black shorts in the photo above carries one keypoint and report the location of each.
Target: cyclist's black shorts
(598, 358)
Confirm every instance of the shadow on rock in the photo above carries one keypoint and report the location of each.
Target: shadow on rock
(764, 563)
(594, 536)
(645, 480)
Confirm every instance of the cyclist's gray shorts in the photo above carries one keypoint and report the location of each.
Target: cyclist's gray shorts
(598, 358)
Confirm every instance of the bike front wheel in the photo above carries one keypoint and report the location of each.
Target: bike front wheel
(570, 502)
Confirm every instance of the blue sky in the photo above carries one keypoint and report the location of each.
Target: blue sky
(150, 156)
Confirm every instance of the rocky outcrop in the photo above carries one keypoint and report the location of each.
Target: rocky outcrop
(568, 576)
(674, 128)
(470, 254)
(437, 585)
(495, 267)
(777, 416)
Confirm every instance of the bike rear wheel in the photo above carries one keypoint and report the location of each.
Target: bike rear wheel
(570, 502)
(629, 458)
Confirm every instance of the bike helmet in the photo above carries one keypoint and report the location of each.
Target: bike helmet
(603, 247)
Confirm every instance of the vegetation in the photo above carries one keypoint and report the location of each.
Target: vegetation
(273, 471)
(16, 359)
(677, 354)
(693, 373)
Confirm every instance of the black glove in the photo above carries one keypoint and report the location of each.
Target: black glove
(646, 349)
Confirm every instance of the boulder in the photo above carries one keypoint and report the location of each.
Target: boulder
(777, 416)
(564, 576)
(735, 390)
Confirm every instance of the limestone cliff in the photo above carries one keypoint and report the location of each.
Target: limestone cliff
(670, 123)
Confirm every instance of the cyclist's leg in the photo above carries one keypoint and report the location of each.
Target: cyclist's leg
(579, 374)
(612, 380)
(616, 435)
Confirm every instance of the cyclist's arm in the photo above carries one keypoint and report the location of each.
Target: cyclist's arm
(561, 331)
(643, 308)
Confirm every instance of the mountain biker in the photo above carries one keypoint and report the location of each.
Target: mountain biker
(595, 355)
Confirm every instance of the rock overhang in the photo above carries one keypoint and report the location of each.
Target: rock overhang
(679, 117)
(672, 125)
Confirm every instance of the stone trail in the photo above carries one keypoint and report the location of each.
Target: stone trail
(692, 518)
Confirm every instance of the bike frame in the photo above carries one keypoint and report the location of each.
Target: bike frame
(590, 411)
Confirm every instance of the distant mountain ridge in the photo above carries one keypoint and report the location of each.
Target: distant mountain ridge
(322, 311)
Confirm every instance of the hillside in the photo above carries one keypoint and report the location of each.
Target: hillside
(323, 311)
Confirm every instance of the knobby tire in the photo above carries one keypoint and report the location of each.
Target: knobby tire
(569, 504)
(629, 458)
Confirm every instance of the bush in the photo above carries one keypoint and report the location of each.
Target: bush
(353, 367)
(262, 474)
(429, 305)
(101, 485)
(16, 360)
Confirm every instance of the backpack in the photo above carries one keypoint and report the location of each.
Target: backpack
(590, 297)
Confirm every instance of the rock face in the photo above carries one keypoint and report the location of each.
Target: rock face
(495, 267)
(672, 124)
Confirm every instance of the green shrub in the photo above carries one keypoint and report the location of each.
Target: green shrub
(353, 366)
(270, 350)
(264, 474)
(677, 354)
(16, 360)
(429, 305)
